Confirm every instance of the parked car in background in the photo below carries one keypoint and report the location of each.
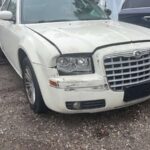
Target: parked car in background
(72, 58)
(136, 12)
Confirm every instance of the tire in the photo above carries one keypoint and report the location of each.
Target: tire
(32, 89)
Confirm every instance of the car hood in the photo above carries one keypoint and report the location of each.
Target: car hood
(85, 36)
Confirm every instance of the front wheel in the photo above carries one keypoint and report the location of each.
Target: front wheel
(32, 89)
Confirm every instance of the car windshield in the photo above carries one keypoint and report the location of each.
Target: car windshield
(39, 11)
(136, 4)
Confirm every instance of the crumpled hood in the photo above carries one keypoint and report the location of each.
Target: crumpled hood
(85, 36)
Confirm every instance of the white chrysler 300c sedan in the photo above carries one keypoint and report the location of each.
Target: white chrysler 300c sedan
(72, 58)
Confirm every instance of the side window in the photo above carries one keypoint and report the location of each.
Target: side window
(5, 5)
(12, 7)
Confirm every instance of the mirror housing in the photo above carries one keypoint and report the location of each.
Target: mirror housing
(6, 15)
(108, 12)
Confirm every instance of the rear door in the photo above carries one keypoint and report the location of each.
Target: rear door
(136, 12)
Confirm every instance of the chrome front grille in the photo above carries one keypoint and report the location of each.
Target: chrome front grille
(127, 69)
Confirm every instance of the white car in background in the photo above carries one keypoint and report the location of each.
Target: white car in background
(72, 58)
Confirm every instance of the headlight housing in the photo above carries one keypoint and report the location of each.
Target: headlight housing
(75, 64)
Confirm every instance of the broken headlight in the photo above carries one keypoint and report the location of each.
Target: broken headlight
(75, 64)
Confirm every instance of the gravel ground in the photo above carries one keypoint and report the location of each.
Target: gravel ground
(21, 129)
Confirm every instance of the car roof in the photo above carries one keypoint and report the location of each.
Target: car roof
(136, 4)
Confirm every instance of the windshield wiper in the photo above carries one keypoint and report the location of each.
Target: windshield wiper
(59, 20)
(65, 20)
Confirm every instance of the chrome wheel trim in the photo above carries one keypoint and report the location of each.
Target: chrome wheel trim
(29, 85)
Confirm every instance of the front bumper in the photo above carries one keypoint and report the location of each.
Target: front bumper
(113, 100)
(85, 89)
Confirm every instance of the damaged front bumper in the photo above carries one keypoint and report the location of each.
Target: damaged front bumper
(87, 94)
(84, 83)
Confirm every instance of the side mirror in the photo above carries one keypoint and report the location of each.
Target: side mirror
(108, 12)
(6, 15)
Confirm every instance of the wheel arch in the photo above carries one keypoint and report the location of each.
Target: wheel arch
(21, 55)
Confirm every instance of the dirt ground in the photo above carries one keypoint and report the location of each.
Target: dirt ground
(21, 129)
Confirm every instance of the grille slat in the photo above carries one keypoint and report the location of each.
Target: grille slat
(129, 67)
(133, 83)
(124, 70)
(133, 72)
(130, 78)
(128, 61)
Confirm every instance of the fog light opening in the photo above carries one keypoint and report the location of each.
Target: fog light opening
(82, 105)
(77, 105)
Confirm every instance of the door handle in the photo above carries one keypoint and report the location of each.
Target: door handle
(146, 18)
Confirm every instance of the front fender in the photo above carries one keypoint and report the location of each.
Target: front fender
(38, 50)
